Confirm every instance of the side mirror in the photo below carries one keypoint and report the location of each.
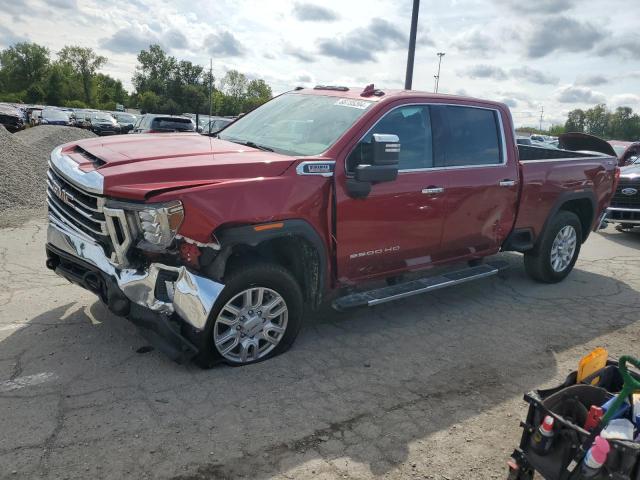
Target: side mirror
(385, 156)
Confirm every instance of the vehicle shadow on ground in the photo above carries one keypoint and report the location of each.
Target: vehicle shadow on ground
(357, 387)
(629, 238)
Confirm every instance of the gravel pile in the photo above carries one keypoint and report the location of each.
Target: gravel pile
(23, 163)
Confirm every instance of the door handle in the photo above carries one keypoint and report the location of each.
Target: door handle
(432, 190)
(507, 183)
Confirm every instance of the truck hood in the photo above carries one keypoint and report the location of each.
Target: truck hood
(139, 166)
(630, 172)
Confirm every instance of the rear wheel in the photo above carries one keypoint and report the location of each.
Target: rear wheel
(257, 315)
(556, 253)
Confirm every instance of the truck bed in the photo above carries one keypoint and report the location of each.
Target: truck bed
(528, 153)
(551, 177)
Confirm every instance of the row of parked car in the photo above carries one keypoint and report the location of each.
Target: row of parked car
(544, 141)
(17, 117)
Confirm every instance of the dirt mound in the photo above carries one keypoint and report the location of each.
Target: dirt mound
(47, 137)
(23, 163)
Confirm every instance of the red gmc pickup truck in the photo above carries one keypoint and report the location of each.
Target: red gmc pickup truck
(215, 246)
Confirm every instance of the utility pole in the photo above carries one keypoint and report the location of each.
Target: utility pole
(440, 55)
(541, 115)
(210, 91)
(435, 83)
(412, 45)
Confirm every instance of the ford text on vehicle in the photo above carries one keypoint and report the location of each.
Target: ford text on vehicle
(217, 246)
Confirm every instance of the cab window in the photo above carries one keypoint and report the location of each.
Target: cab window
(466, 136)
(412, 125)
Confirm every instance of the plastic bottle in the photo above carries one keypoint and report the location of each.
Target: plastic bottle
(543, 437)
(595, 457)
(593, 418)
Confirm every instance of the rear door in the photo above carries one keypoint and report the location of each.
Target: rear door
(481, 190)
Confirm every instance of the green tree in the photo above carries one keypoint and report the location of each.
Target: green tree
(188, 73)
(194, 99)
(235, 84)
(155, 69)
(110, 90)
(575, 121)
(170, 107)
(85, 63)
(596, 120)
(35, 94)
(556, 130)
(621, 123)
(74, 104)
(23, 65)
(55, 86)
(149, 102)
(258, 92)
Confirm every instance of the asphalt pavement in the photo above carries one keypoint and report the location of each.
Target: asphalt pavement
(427, 387)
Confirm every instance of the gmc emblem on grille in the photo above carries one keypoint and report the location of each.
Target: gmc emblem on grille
(629, 191)
(61, 194)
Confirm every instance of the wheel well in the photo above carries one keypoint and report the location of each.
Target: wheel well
(583, 208)
(294, 253)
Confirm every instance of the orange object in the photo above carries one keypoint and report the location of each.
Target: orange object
(268, 226)
(591, 363)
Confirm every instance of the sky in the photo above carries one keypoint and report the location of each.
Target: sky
(553, 54)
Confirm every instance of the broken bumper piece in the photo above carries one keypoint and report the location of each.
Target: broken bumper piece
(149, 297)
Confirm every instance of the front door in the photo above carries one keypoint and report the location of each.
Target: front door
(398, 226)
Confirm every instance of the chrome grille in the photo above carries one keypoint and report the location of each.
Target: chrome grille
(77, 209)
(620, 200)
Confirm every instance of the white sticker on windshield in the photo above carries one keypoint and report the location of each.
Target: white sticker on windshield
(350, 102)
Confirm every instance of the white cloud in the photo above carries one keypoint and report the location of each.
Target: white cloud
(531, 48)
(625, 100)
(574, 94)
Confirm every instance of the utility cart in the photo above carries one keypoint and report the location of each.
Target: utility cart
(583, 429)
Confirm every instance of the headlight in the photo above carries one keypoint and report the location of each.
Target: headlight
(159, 223)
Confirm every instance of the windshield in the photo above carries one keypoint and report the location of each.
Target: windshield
(173, 124)
(297, 124)
(619, 149)
(102, 117)
(124, 117)
(55, 115)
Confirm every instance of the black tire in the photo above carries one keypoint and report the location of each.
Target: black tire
(537, 262)
(266, 275)
(624, 227)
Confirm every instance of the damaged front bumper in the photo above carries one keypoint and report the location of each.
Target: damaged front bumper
(151, 298)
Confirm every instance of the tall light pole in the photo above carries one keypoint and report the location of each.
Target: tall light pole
(210, 92)
(541, 115)
(412, 45)
(440, 55)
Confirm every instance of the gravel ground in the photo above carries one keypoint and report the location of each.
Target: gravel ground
(23, 164)
(429, 387)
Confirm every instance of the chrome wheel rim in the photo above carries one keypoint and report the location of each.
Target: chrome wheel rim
(250, 325)
(563, 248)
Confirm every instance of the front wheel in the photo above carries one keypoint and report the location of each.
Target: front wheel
(556, 253)
(257, 315)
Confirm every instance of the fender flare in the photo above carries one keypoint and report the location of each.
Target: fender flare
(567, 197)
(252, 235)
(523, 239)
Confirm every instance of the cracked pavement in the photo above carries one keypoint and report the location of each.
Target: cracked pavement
(428, 387)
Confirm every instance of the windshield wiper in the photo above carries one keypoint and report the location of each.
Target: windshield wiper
(251, 144)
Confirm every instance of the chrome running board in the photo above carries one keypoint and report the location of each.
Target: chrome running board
(416, 287)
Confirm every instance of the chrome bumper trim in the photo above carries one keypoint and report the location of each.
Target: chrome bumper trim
(193, 295)
(618, 220)
(619, 209)
(91, 181)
